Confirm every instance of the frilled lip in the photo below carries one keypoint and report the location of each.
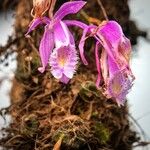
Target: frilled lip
(63, 62)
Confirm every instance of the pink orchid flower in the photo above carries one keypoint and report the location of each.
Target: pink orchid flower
(63, 59)
(57, 44)
(112, 55)
(114, 63)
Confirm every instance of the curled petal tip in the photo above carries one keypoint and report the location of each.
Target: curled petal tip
(86, 63)
(97, 85)
(41, 69)
(35, 22)
(27, 34)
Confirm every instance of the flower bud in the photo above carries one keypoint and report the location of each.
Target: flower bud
(40, 7)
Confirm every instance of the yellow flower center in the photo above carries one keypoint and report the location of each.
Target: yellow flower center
(62, 62)
(62, 57)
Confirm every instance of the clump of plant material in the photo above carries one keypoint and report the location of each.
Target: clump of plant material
(63, 108)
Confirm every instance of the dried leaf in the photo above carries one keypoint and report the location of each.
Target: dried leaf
(58, 143)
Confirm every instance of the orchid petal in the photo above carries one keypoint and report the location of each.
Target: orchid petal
(81, 46)
(82, 43)
(69, 72)
(33, 25)
(111, 31)
(64, 79)
(125, 48)
(68, 8)
(113, 67)
(57, 73)
(97, 64)
(104, 65)
(36, 22)
(71, 38)
(75, 23)
(110, 34)
(46, 46)
(61, 34)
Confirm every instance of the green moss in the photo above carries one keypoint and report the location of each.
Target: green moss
(57, 136)
(94, 114)
(35, 64)
(69, 139)
(89, 89)
(101, 132)
(30, 125)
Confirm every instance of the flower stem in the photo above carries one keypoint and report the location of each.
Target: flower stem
(103, 9)
(51, 9)
(90, 19)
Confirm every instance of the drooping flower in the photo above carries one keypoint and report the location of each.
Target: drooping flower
(115, 68)
(112, 55)
(57, 35)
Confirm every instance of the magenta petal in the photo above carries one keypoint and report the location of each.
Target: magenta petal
(64, 79)
(82, 42)
(110, 35)
(111, 31)
(125, 48)
(57, 72)
(81, 46)
(61, 34)
(98, 64)
(37, 21)
(113, 67)
(33, 25)
(75, 23)
(46, 46)
(68, 8)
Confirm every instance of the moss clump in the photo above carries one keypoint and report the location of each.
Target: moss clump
(101, 132)
(88, 89)
(29, 125)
